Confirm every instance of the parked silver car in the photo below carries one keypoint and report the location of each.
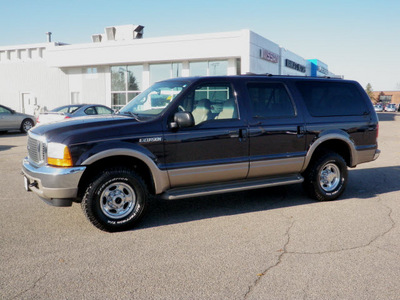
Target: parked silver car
(378, 107)
(12, 120)
(390, 107)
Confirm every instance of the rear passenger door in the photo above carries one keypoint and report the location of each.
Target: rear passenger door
(215, 149)
(276, 132)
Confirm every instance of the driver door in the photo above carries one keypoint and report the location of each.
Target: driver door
(7, 119)
(215, 149)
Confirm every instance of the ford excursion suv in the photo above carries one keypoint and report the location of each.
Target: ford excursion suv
(189, 137)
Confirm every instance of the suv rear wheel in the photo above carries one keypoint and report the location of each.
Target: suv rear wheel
(115, 200)
(326, 177)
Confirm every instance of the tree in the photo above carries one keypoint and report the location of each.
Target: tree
(370, 92)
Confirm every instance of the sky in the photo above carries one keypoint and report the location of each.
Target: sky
(359, 39)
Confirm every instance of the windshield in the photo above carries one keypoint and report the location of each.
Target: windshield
(155, 99)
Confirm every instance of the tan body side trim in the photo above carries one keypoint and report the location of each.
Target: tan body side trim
(276, 167)
(208, 174)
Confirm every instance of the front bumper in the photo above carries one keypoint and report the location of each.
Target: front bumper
(56, 186)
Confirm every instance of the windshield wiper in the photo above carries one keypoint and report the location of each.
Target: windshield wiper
(132, 114)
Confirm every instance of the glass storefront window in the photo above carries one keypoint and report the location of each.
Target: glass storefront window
(118, 100)
(209, 68)
(218, 68)
(160, 72)
(176, 70)
(385, 98)
(118, 78)
(126, 83)
(198, 68)
(135, 78)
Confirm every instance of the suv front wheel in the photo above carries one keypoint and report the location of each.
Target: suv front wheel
(115, 200)
(326, 177)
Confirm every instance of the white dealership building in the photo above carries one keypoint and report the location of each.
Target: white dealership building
(120, 63)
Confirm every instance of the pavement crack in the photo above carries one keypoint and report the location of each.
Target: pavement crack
(285, 251)
(278, 262)
(374, 239)
(31, 287)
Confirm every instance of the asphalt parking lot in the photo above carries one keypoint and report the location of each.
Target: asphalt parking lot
(265, 244)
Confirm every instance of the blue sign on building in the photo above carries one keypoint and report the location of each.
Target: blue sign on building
(318, 68)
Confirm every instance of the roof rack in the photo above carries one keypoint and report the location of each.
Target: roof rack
(262, 74)
(301, 76)
(276, 75)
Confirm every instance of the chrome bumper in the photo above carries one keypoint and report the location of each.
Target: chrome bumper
(367, 155)
(52, 184)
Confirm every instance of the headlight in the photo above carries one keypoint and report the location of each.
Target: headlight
(58, 155)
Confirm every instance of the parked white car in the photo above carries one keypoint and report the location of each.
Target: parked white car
(391, 107)
(71, 111)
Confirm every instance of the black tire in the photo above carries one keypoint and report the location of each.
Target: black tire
(115, 200)
(26, 125)
(326, 177)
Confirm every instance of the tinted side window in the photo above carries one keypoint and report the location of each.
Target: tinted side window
(324, 99)
(270, 100)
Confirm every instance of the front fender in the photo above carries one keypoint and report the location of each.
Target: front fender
(89, 153)
(160, 177)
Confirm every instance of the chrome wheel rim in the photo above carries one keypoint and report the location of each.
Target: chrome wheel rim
(117, 200)
(27, 125)
(329, 177)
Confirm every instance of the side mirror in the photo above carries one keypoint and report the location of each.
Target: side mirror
(182, 119)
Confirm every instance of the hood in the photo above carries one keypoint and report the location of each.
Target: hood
(25, 115)
(84, 129)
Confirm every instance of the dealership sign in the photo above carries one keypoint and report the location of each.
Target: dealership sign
(295, 66)
(323, 70)
(269, 56)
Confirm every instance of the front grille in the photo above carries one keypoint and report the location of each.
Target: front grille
(36, 150)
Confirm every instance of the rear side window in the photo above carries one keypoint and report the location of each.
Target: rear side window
(326, 99)
(270, 100)
(90, 111)
(103, 110)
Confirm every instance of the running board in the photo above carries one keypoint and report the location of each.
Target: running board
(228, 187)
